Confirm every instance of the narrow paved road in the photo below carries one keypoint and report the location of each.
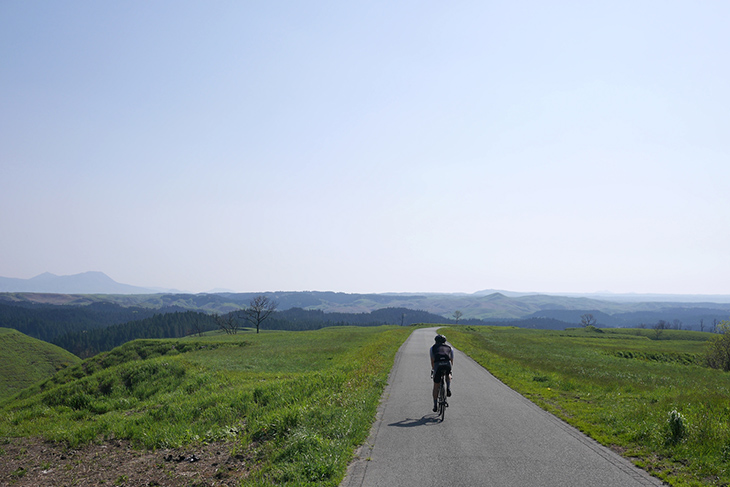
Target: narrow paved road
(491, 436)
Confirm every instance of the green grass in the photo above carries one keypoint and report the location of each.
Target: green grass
(650, 399)
(298, 403)
(25, 361)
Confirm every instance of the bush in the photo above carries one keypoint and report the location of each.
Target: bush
(718, 350)
(677, 427)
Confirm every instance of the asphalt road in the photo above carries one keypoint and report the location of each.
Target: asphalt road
(491, 435)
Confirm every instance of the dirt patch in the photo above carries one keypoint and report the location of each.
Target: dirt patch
(618, 449)
(37, 463)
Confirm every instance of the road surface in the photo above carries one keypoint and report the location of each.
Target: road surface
(491, 436)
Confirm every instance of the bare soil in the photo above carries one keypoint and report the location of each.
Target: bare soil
(37, 463)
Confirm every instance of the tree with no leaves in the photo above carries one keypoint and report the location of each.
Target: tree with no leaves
(659, 328)
(587, 320)
(457, 314)
(227, 323)
(258, 310)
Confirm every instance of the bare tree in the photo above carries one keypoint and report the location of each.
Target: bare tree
(702, 324)
(197, 328)
(258, 310)
(677, 324)
(228, 323)
(587, 320)
(457, 314)
(659, 328)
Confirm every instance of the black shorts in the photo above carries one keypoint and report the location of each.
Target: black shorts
(441, 368)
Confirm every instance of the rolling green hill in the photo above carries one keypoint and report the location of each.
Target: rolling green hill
(284, 407)
(25, 361)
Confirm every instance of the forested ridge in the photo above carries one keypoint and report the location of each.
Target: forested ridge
(91, 329)
(88, 329)
(87, 343)
(46, 322)
(169, 325)
(306, 319)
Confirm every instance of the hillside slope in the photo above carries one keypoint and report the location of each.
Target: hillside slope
(275, 408)
(25, 361)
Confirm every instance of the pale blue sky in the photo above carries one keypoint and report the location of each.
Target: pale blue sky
(368, 146)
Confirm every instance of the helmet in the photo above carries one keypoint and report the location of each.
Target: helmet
(440, 339)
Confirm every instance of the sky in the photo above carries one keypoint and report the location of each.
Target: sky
(367, 147)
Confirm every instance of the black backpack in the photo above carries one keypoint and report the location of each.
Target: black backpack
(441, 353)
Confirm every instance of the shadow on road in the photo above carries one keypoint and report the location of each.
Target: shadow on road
(409, 423)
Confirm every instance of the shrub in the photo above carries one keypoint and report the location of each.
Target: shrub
(677, 427)
(718, 349)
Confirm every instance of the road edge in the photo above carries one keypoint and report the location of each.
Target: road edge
(355, 475)
(640, 475)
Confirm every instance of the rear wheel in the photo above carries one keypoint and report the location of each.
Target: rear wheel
(442, 399)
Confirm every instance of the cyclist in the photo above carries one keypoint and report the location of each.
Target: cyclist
(442, 359)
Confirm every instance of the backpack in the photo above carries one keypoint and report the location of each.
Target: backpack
(441, 353)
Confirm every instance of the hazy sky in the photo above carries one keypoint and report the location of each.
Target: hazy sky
(562, 146)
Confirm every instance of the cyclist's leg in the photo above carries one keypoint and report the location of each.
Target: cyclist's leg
(435, 394)
(442, 400)
(437, 378)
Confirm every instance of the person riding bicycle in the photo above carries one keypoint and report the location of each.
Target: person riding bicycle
(442, 359)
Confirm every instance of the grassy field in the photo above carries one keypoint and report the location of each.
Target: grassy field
(298, 403)
(25, 361)
(650, 399)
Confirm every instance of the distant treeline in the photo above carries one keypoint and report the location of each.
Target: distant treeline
(535, 323)
(86, 343)
(90, 329)
(696, 318)
(179, 324)
(305, 319)
(46, 322)
(169, 325)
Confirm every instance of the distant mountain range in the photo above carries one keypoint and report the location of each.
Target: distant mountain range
(622, 297)
(84, 283)
(100, 283)
(608, 309)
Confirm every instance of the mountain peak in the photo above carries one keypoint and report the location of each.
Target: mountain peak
(46, 276)
(92, 282)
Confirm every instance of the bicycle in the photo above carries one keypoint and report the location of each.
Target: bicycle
(442, 403)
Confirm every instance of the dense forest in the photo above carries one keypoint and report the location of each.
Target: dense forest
(46, 322)
(303, 319)
(88, 329)
(86, 343)
(170, 325)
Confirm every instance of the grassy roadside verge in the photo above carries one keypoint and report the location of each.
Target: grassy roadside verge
(296, 403)
(647, 399)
